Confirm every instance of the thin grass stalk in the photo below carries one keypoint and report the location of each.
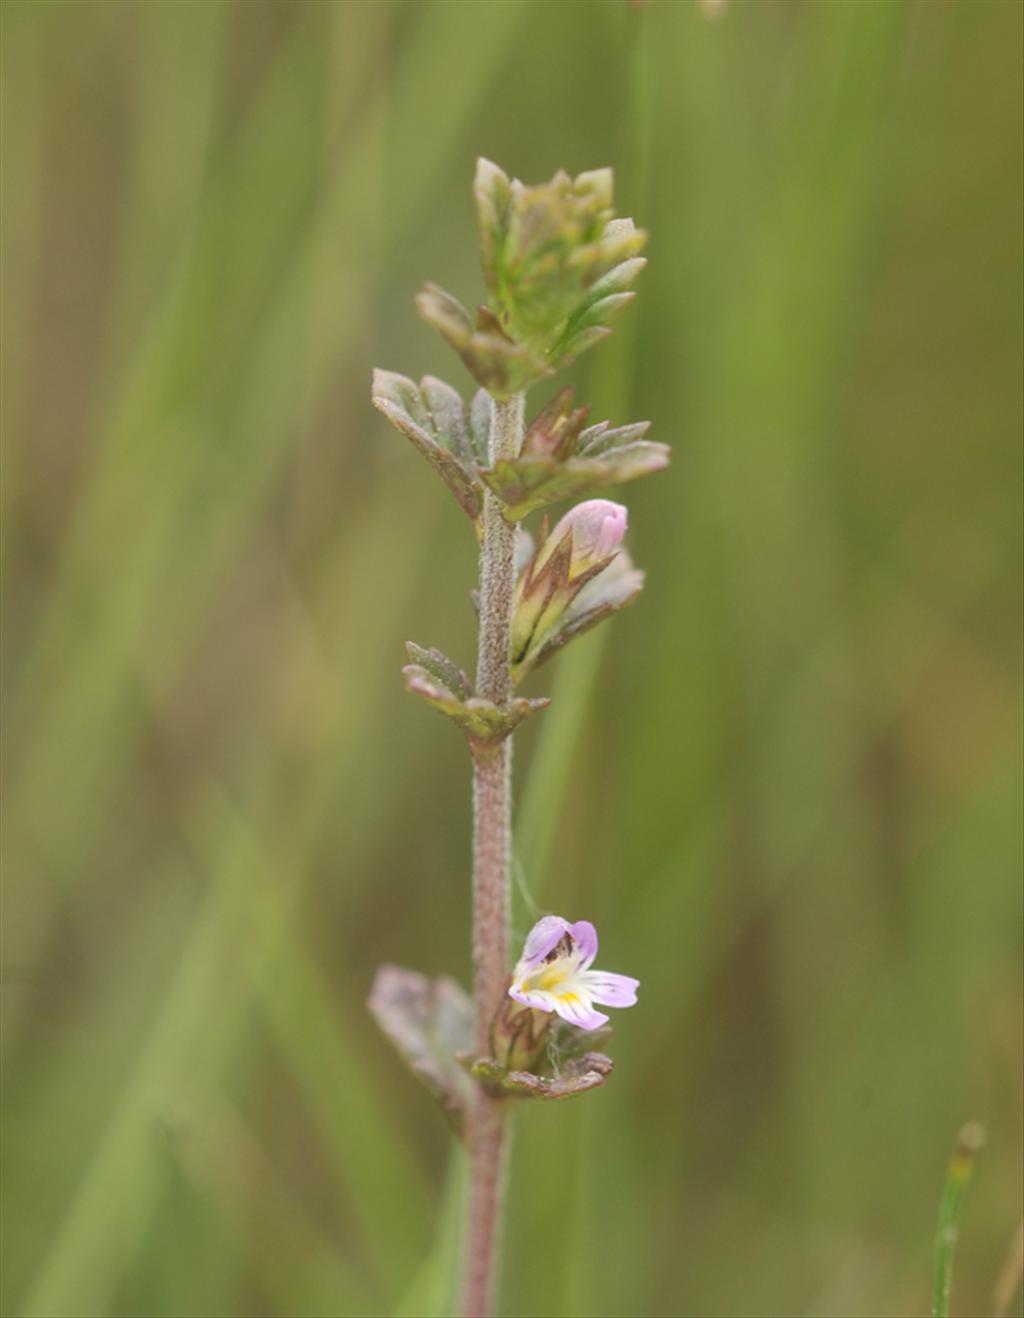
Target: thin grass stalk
(958, 1174)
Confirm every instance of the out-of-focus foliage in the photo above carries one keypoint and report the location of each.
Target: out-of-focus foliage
(786, 786)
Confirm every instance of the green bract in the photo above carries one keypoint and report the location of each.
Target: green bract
(555, 259)
(429, 1022)
(451, 435)
(552, 607)
(559, 459)
(577, 1077)
(557, 264)
(444, 685)
(495, 360)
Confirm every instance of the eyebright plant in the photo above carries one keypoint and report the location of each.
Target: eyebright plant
(558, 265)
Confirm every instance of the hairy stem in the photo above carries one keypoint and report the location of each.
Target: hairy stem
(492, 853)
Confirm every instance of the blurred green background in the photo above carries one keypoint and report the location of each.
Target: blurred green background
(786, 785)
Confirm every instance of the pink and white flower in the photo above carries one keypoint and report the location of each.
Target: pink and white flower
(554, 974)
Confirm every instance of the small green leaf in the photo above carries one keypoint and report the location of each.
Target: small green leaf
(556, 430)
(433, 416)
(557, 263)
(563, 254)
(428, 1022)
(501, 365)
(449, 416)
(480, 410)
(608, 294)
(492, 191)
(588, 1071)
(439, 667)
(620, 277)
(598, 184)
(560, 460)
(530, 483)
(598, 439)
(445, 686)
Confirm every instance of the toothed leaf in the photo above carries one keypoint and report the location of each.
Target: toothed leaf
(445, 686)
(556, 430)
(428, 1022)
(492, 191)
(441, 669)
(530, 483)
(578, 1075)
(433, 416)
(480, 411)
(596, 440)
(557, 264)
(501, 365)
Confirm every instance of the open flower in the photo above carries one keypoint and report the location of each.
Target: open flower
(554, 974)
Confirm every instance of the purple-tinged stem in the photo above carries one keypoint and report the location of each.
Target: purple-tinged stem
(492, 857)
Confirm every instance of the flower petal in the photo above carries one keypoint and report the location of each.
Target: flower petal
(539, 999)
(611, 990)
(585, 936)
(542, 938)
(577, 1009)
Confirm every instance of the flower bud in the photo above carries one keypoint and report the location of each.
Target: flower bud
(595, 529)
(519, 1035)
(583, 545)
(557, 262)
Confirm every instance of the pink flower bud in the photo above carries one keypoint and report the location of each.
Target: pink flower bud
(597, 527)
(581, 551)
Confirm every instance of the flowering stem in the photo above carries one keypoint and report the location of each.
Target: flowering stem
(492, 851)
